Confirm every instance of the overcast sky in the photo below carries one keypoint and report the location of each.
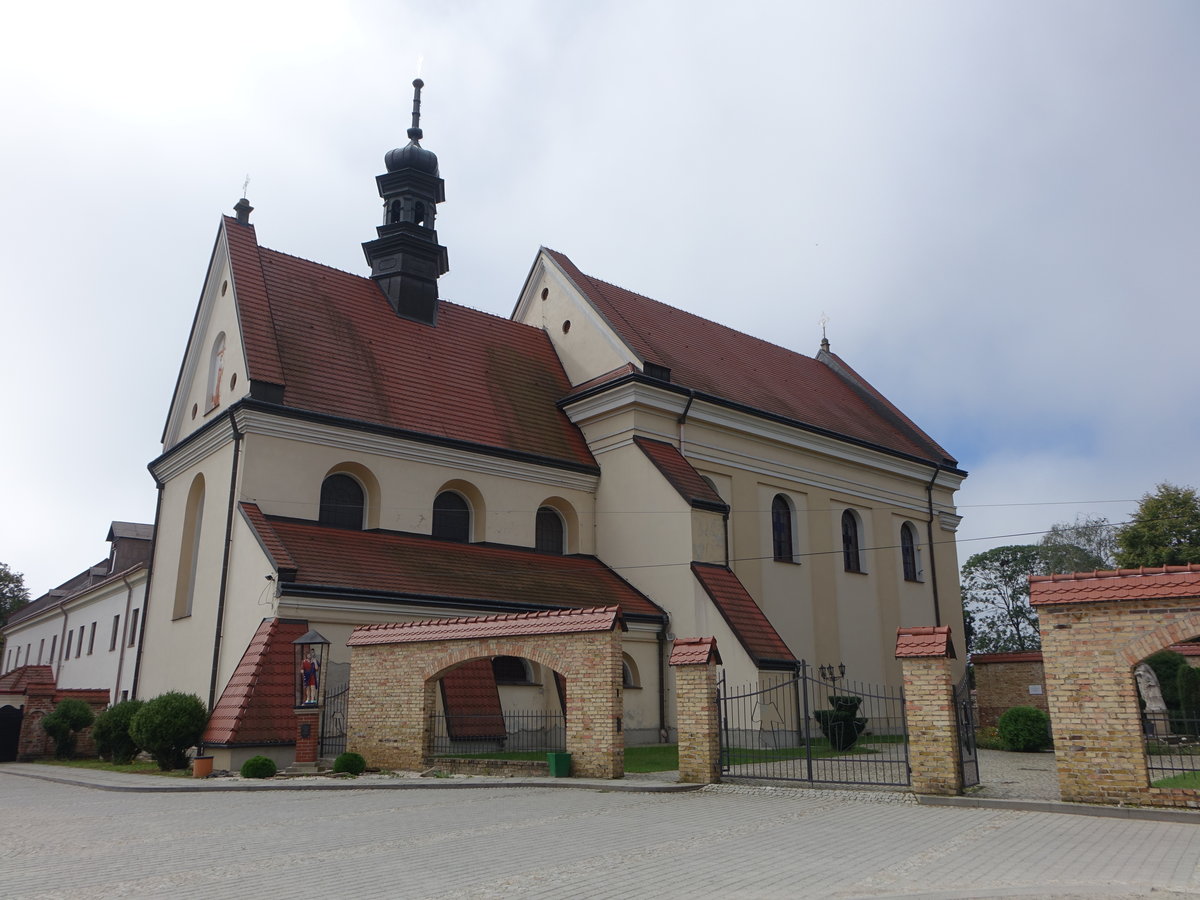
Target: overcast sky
(995, 203)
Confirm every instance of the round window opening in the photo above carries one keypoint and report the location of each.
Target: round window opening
(233, 381)
(195, 409)
(224, 287)
(566, 326)
(545, 293)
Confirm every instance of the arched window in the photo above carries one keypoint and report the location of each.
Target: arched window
(216, 368)
(511, 670)
(452, 517)
(342, 502)
(851, 554)
(910, 552)
(189, 552)
(629, 672)
(781, 529)
(550, 534)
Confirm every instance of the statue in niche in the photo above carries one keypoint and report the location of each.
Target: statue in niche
(310, 672)
(1157, 720)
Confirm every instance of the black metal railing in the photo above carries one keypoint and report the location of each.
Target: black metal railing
(333, 723)
(491, 734)
(803, 727)
(964, 714)
(1172, 749)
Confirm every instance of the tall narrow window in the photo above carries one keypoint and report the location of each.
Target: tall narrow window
(851, 553)
(133, 624)
(342, 502)
(53, 647)
(189, 549)
(67, 647)
(909, 552)
(41, 648)
(451, 517)
(216, 369)
(112, 641)
(781, 529)
(550, 537)
(92, 639)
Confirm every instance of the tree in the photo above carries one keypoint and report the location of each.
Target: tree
(64, 724)
(167, 725)
(995, 586)
(1165, 530)
(13, 593)
(1093, 535)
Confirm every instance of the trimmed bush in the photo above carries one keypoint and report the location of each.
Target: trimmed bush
(64, 724)
(111, 732)
(1024, 729)
(167, 725)
(841, 725)
(259, 767)
(351, 763)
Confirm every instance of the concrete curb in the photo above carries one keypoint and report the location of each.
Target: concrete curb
(1146, 814)
(215, 785)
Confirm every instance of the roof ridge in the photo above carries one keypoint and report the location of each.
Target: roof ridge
(1145, 571)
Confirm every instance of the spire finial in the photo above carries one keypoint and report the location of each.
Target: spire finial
(414, 133)
(823, 321)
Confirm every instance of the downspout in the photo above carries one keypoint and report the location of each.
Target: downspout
(237, 447)
(141, 641)
(937, 612)
(664, 734)
(62, 639)
(124, 637)
(683, 417)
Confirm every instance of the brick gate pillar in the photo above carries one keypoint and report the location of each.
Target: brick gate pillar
(696, 716)
(929, 713)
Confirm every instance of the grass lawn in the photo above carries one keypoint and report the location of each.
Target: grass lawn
(136, 767)
(652, 758)
(1186, 780)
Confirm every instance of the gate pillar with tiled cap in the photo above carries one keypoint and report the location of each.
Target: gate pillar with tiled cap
(394, 671)
(929, 709)
(696, 715)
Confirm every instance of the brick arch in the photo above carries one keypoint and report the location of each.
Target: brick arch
(394, 671)
(1161, 638)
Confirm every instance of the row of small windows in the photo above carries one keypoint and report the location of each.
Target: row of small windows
(14, 659)
(783, 544)
(343, 505)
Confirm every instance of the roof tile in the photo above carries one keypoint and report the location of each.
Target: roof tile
(1013, 656)
(558, 621)
(924, 641)
(740, 611)
(694, 651)
(1155, 583)
(472, 702)
(18, 679)
(680, 474)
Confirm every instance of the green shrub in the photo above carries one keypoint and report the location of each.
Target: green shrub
(1024, 729)
(64, 724)
(352, 763)
(259, 767)
(1187, 686)
(841, 725)
(167, 725)
(111, 732)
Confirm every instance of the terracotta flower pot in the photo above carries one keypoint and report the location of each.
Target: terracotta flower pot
(202, 766)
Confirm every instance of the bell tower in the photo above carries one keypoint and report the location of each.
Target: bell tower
(406, 259)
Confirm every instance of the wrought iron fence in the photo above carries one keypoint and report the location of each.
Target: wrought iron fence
(333, 723)
(512, 731)
(803, 727)
(1172, 748)
(968, 758)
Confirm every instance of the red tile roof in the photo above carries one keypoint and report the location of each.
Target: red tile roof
(723, 363)
(471, 700)
(258, 703)
(334, 343)
(924, 641)
(1014, 656)
(18, 679)
(278, 553)
(1157, 583)
(679, 473)
(557, 621)
(751, 627)
(694, 651)
(1186, 649)
(409, 565)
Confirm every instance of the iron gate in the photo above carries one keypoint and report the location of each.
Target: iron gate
(804, 727)
(333, 723)
(968, 752)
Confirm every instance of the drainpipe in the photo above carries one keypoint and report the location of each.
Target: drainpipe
(683, 417)
(664, 734)
(141, 641)
(124, 637)
(937, 612)
(62, 639)
(237, 447)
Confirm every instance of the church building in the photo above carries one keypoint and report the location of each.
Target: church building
(344, 450)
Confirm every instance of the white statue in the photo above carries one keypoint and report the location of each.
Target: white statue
(1147, 683)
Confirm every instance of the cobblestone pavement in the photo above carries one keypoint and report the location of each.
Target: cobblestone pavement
(64, 841)
(1025, 776)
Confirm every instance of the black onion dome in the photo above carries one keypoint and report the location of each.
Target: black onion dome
(412, 155)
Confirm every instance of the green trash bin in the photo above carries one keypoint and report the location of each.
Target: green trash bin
(560, 764)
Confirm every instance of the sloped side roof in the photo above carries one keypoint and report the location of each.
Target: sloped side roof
(680, 474)
(472, 702)
(743, 615)
(924, 641)
(257, 704)
(136, 530)
(93, 577)
(18, 679)
(557, 621)
(419, 566)
(1157, 583)
(331, 339)
(274, 547)
(727, 364)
